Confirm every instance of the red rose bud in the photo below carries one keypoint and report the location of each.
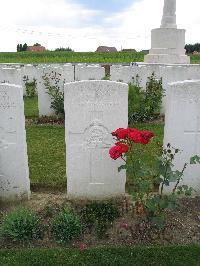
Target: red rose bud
(120, 133)
(82, 246)
(123, 146)
(115, 152)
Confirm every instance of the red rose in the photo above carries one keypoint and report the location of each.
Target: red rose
(115, 152)
(123, 146)
(135, 135)
(146, 136)
(120, 133)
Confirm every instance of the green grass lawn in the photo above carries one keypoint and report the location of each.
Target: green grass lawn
(46, 153)
(158, 256)
(31, 107)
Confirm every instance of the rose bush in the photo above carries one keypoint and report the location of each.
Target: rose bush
(150, 206)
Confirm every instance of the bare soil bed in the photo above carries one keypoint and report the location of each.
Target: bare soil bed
(183, 224)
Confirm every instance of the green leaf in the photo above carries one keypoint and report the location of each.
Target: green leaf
(195, 159)
(173, 176)
(122, 167)
(158, 221)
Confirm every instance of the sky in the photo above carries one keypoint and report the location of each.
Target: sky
(84, 25)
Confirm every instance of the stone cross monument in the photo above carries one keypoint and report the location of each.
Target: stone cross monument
(169, 14)
(168, 42)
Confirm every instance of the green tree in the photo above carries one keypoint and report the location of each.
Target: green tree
(25, 47)
(190, 48)
(37, 44)
(68, 49)
(20, 47)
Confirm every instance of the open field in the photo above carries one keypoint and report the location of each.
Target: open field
(76, 57)
(70, 57)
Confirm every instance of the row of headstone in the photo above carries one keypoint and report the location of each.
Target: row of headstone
(68, 73)
(30, 73)
(93, 110)
(139, 73)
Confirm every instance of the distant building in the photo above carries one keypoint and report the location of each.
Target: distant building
(104, 49)
(129, 50)
(35, 48)
(196, 52)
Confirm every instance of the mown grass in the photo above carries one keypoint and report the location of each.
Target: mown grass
(157, 256)
(31, 107)
(46, 154)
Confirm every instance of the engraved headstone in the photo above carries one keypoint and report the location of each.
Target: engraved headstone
(14, 173)
(182, 127)
(93, 109)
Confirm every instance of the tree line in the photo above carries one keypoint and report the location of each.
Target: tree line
(190, 48)
(22, 47)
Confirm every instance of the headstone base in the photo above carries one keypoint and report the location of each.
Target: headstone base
(167, 47)
(167, 59)
(15, 197)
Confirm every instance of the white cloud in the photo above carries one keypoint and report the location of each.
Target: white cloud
(56, 23)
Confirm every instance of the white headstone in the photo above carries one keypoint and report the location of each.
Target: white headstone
(14, 173)
(10, 75)
(68, 73)
(56, 76)
(124, 74)
(182, 127)
(93, 109)
(29, 75)
(90, 72)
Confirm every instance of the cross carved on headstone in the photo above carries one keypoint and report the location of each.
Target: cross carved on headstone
(94, 138)
(196, 134)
